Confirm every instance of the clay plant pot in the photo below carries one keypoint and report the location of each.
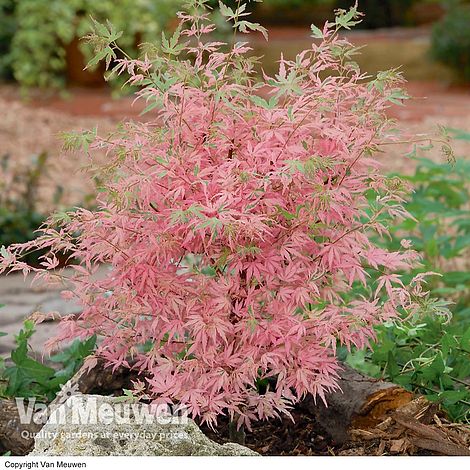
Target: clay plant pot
(426, 13)
(75, 71)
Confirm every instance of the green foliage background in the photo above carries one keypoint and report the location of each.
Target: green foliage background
(431, 354)
(451, 41)
(43, 28)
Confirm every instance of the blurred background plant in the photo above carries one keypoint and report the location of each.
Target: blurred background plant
(40, 47)
(430, 355)
(23, 205)
(389, 13)
(39, 39)
(451, 40)
(378, 14)
(7, 31)
(20, 215)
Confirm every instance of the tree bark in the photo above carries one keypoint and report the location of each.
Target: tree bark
(361, 403)
(15, 437)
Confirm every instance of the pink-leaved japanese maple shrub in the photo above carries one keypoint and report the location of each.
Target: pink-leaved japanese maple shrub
(234, 221)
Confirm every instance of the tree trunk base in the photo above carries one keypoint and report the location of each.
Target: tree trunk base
(362, 403)
(15, 437)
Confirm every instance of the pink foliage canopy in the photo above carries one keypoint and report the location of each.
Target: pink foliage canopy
(234, 224)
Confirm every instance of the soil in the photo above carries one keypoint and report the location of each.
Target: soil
(418, 429)
(413, 426)
(282, 436)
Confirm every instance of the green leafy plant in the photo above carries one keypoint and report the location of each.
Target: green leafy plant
(24, 376)
(431, 354)
(20, 215)
(2, 361)
(7, 31)
(451, 40)
(45, 28)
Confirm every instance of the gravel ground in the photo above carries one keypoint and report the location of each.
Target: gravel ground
(26, 131)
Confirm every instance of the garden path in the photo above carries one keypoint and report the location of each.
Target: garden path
(22, 298)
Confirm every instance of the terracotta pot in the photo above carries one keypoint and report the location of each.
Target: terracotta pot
(426, 13)
(76, 73)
